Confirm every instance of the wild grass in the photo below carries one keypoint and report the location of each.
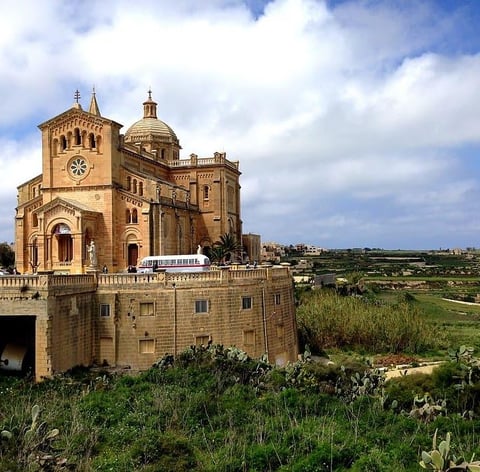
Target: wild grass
(327, 320)
(221, 415)
(457, 323)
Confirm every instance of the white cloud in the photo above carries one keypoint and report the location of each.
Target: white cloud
(342, 118)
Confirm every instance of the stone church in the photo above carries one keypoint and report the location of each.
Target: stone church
(130, 194)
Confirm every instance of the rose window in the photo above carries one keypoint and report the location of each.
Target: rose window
(78, 167)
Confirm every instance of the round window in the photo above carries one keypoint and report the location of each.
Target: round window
(78, 166)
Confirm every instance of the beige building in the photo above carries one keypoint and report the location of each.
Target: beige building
(252, 245)
(130, 194)
(105, 198)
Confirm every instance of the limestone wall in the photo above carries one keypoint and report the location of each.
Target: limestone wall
(134, 319)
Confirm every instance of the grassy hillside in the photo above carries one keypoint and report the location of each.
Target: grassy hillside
(214, 409)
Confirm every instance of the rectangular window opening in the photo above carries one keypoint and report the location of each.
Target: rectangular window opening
(147, 309)
(104, 309)
(146, 346)
(202, 340)
(246, 303)
(201, 306)
(249, 337)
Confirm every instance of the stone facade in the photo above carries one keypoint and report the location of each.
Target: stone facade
(130, 194)
(106, 200)
(131, 320)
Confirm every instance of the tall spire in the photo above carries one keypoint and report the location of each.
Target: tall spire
(93, 109)
(149, 107)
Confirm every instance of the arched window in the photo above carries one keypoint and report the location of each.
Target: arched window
(127, 216)
(140, 188)
(129, 183)
(134, 185)
(206, 192)
(134, 216)
(34, 220)
(55, 147)
(91, 141)
(76, 136)
(230, 198)
(63, 142)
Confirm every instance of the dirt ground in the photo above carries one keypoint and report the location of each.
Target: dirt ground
(406, 370)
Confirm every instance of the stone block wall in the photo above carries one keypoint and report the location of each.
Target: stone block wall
(134, 319)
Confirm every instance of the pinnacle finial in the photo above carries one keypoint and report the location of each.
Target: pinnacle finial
(93, 109)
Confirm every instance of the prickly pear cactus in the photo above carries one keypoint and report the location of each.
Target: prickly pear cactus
(441, 459)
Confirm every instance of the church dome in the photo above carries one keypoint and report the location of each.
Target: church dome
(150, 129)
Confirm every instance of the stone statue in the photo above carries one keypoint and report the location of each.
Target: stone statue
(92, 253)
(199, 249)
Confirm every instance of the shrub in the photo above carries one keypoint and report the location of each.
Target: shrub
(327, 320)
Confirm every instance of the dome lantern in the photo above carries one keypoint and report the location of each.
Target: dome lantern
(152, 134)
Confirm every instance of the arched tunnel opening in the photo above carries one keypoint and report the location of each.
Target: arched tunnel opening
(17, 345)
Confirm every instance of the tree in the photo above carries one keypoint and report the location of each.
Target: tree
(228, 245)
(216, 254)
(7, 256)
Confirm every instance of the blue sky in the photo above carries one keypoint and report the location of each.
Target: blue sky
(356, 123)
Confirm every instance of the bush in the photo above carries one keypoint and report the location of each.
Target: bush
(328, 320)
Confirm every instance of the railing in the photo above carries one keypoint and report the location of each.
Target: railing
(178, 277)
(69, 280)
(130, 279)
(248, 274)
(206, 161)
(7, 281)
(46, 281)
(217, 276)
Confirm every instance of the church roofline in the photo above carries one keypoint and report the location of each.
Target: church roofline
(58, 201)
(29, 181)
(78, 112)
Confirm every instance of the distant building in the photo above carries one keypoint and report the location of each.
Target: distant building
(272, 252)
(310, 250)
(325, 280)
(252, 244)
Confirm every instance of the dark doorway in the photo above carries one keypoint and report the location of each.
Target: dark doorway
(17, 345)
(132, 254)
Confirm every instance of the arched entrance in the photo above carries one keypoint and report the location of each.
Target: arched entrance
(64, 243)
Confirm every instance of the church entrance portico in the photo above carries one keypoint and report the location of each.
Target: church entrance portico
(68, 230)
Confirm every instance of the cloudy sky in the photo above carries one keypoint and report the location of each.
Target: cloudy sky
(356, 123)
